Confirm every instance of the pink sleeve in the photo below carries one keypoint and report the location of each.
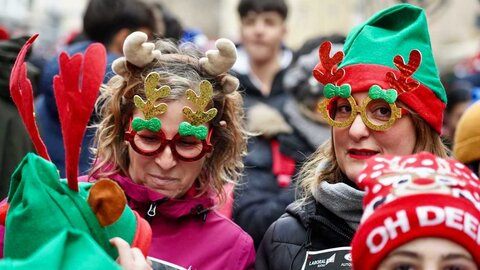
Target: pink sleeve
(246, 260)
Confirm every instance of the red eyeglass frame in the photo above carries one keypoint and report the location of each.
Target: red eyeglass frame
(207, 147)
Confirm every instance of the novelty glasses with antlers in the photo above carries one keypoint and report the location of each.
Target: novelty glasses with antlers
(378, 110)
(191, 142)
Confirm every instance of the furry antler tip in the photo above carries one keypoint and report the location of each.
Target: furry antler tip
(118, 66)
(139, 52)
(221, 60)
(229, 84)
(226, 46)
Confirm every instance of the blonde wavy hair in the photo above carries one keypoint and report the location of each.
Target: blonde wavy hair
(116, 107)
(310, 176)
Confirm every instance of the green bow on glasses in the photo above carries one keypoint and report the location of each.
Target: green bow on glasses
(152, 124)
(186, 129)
(376, 92)
(343, 91)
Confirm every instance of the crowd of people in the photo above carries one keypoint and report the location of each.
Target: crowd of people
(153, 153)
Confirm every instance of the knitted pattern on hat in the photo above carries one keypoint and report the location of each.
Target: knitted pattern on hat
(466, 147)
(411, 197)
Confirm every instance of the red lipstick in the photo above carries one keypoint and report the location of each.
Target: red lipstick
(361, 153)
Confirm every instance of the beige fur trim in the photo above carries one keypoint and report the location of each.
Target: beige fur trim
(267, 121)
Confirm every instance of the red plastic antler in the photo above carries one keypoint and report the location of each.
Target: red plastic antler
(22, 95)
(406, 71)
(326, 70)
(75, 104)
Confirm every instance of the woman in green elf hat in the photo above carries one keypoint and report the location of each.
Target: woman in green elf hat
(383, 96)
(171, 137)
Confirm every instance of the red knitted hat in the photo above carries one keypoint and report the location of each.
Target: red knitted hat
(415, 196)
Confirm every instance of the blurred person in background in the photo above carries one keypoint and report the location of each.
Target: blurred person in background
(168, 24)
(262, 56)
(274, 158)
(261, 65)
(260, 68)
(459, 97)
(14, 139)
(466, 147)
(108, 22)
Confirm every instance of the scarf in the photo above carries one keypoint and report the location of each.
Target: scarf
(342, 200)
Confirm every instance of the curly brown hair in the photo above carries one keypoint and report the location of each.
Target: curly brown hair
(116, 107)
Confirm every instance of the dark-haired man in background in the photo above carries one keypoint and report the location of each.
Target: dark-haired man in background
(108, 22)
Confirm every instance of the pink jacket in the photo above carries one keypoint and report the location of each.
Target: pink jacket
(187, 233)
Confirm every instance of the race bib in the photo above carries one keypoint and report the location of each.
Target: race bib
(329, 259)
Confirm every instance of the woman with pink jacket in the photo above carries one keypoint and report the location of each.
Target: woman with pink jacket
(172, 137)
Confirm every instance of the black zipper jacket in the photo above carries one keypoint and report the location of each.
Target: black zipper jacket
(308, 228)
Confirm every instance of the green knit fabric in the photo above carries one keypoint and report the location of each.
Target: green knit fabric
(395, 31)
(42, 205)
(68, 249)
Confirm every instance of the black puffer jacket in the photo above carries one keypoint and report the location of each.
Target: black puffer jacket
(311, 227)
(259, 199)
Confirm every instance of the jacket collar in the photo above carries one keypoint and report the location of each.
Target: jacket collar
(140, 196)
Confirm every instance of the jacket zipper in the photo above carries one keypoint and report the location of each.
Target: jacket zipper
(152, 209)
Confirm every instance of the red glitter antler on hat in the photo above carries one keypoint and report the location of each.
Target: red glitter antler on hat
(75, 104)
(402, 84)
(326, 70)
(22, 95)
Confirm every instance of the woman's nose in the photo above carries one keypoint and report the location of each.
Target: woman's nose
(358, 130)
(165, 159)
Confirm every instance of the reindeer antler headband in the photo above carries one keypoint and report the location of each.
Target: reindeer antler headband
(216, 63)
(138, 52)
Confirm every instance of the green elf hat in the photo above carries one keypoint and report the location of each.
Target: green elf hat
(41, 205)
(392, 50)
(69, 249)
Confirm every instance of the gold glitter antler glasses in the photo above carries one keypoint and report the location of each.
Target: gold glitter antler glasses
(198, 117)
(148, 107)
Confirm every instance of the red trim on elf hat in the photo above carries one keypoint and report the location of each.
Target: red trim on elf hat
(143, 234)
(3, 212)
(421, 99)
